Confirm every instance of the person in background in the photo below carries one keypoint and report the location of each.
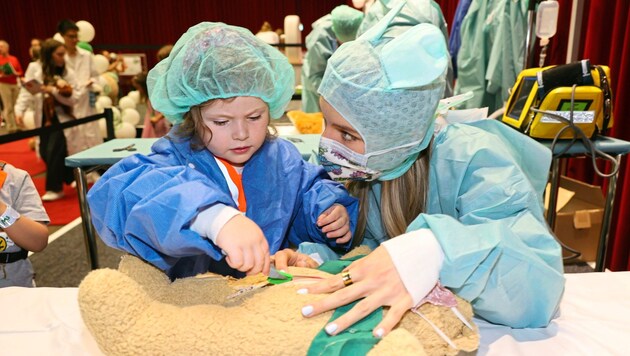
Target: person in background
(80, 61)
(462, 206)
(155, 124)
(413, 12)
(219, 193)
(52, 104)
(33, 50)
(328, 32)
(10, 71)
(23, 228)
(163, 52)
(267, 34)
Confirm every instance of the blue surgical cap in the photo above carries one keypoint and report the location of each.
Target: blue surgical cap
(217, 61)
(346, 22)
(388, 90)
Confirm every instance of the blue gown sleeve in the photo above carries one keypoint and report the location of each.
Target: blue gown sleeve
(318, 193)
(144, 207)
(499, 252)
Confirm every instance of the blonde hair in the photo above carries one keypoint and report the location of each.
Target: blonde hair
(402, 199)
(193, 128)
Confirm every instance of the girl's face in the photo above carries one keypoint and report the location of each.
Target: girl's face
(58, 56)
(237, 128)
(338, 129)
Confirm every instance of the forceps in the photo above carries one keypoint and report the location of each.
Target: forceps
(127, 148)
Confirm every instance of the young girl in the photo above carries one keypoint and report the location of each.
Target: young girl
(155, 124)
(23, 228)
(463, 206)
(52, 105)
(219, 183)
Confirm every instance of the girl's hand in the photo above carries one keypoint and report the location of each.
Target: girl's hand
(335, 222)
(374, 278)
(245, 245)
(288, 257)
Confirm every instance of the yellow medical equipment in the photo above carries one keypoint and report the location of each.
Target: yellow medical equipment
(546, 102)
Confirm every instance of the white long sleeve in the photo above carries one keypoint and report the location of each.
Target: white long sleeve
(418, 258)
(209, 222)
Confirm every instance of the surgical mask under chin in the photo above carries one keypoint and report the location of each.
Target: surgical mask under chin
(344, 164)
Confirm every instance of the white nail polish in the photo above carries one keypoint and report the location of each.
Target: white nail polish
(379, 333)
(307, 310)
(302, 291)
(331, 328)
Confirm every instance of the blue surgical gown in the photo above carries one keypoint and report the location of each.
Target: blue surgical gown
(485, 209)
(144, 204)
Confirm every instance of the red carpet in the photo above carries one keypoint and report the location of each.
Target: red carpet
(64, 210)
(20, 155)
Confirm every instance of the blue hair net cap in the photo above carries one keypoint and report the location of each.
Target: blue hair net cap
(346, 22)
(216, 61)
(388, 89)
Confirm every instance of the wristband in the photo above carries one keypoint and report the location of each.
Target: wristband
(9, 217)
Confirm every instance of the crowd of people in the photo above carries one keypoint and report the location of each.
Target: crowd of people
(449, 205)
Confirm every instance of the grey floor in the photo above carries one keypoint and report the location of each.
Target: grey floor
(64, 262)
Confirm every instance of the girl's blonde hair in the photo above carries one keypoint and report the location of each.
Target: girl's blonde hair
(402, 199)
(193, 128)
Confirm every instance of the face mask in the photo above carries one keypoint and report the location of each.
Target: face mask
(344, 164)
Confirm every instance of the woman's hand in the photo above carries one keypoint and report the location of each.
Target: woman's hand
(245, 245)
(374, 278)
(288, 257)
(335, 223)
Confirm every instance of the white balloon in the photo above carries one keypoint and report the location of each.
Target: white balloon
(105, 101)
(126, 103)
(29, 120)
(131, 116)
(99, 108)
(102, 125)
(126, 130)
(135, 95)
(117, 117)
(59, 37)
(101, 63)
(86, 31)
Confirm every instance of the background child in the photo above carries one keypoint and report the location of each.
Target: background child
(23, 228)
(180, 207)
(155, 124)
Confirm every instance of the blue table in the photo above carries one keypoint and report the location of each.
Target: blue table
(612, 146)
(105, 155)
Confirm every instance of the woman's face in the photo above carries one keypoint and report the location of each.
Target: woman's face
(58, 56)
(237, 128)
(340, 130)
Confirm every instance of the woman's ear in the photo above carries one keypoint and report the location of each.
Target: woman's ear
(415, 58)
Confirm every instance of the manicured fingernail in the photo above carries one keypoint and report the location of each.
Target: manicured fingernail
(302, 291)
(331, 328)
(307, 310)
(379, 333)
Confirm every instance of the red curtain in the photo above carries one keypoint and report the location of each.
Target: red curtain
(606, 40)
(142, 26)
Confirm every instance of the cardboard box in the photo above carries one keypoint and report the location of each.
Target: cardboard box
(579, 222)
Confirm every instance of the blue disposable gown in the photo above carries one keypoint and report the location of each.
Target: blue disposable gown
(144, 204)
(485, 209)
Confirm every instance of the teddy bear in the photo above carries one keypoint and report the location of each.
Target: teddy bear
(137, 310)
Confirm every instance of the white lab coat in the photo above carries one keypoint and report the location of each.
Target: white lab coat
(89, 134)
(26, 101)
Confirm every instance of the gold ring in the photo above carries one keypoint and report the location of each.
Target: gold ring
(345, 277)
